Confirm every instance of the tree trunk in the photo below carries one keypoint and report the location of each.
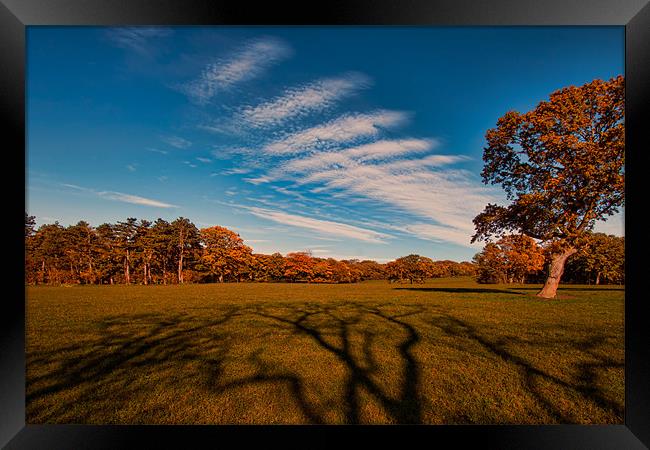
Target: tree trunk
(127, 275)
(181, 247)
(598, 278)
(180, 269)
(220, 278)
(555, 270)
(145, 273)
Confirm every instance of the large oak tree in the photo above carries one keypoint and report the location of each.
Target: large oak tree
(562, 167)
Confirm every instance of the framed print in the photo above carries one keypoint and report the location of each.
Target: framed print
(418, 220)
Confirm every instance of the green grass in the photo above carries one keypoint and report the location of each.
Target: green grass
(448, 351)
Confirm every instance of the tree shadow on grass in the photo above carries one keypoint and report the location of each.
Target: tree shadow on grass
(114, 368)
(584, 384)
(461, 290)
(127, 342)
(406, 406)
(129, 347)
(573, 288)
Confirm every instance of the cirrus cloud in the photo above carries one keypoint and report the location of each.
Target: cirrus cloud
(298, 102)
(249, 62)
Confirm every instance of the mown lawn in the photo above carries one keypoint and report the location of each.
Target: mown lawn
(448, 351)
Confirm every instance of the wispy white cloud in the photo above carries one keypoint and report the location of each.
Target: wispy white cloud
(428, 161)
(236, 171)
(258, 180)
(131, 167)
(438, 233)
(386, 172)
(326, 227)
(135, 199)
(203, 160)
(245, 64)
(138, 39)
(297, 102)
(74, 186)
(449, 197)
(121, 197)
(176, 141)
(344, 129)
(378, 150)
(155, 150)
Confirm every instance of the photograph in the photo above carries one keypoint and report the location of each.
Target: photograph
(329, 225)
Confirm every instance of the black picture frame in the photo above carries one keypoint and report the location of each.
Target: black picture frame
(634, 15)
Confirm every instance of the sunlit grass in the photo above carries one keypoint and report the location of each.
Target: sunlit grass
(448, 351)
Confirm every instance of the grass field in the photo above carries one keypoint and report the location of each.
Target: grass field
(448, 351)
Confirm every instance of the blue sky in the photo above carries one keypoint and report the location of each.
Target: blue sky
(351, 142)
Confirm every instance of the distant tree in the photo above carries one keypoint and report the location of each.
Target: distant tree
(162, 243)
(245, 266)
(523, 256)
(464, 268)
(342, 272)
(268, 267)
(126, 234)
(412, 268)
(30, 269)
(145, 248)
(602, 259)
(394, 271)
(367, 270)
(299, 266)
(48, 253)
(110, 260)
(81, 248)
(323, 271)
(30, 224)
(561, 165)
(224, 252)
(186, 240)
(509, 260)
(491, 264)
(276, 266)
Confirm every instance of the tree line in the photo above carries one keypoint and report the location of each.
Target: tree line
(161, 252)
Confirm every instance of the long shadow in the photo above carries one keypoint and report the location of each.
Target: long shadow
(586, 378)
(460, 290)
(127, 343)
(265, 374)
(571, 288)
(87, 369)
(406, 408)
